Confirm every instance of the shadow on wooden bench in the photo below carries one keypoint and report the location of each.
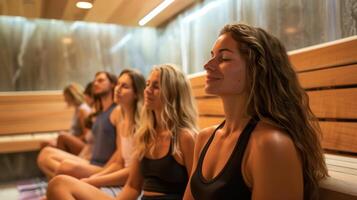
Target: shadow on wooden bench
(328, 72)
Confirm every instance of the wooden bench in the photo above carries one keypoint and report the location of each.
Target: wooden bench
(328, 72)
(28, 118)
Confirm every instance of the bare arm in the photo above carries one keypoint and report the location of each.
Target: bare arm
(111, 179)
(275, 168)
(187, 144)
(132, 188)
(113, 167)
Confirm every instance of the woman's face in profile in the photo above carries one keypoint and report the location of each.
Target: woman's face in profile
(226, 70)
(124, 91)
(152, 98)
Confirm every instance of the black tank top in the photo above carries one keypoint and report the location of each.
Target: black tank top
(164, 175)
(229, 183)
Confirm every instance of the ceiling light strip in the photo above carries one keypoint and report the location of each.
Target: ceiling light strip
(155, 12)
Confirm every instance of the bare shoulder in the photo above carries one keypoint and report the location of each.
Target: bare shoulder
(273, 168)
(115, 115)
(269, 137)
(186, 135)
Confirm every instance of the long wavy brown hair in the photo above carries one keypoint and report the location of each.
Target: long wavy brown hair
(276, 97)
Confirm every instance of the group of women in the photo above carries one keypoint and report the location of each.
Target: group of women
(266, 148)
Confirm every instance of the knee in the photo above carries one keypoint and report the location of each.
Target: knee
(58, 184)
(66, 167)
(43, 155)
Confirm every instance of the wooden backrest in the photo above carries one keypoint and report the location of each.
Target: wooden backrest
(328, 72)
(29, 112)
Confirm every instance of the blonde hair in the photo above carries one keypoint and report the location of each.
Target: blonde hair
(75, 92)
(276, 97)
(179, 111)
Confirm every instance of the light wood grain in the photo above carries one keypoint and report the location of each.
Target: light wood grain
(336, 103)
(26, 112)
(341, 52)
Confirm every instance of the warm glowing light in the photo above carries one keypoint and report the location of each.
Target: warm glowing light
(67, 40)
(290, 30)
(84, 5)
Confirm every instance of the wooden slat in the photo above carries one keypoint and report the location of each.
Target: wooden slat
(28, 112)
(131, 12)
(340, 52)
(349, 159)
(339, 186)
(198, 80)
(200, 92)
(103, 10)
(210, 106)
(32, 9)
(53, 9)
(341, 136)
(339, 76)
(204, 121)
(22, 143)
(342, 182)
(337, 103)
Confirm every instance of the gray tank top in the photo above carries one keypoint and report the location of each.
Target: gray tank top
(104, 137)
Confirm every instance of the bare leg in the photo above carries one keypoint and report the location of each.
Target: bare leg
(70, 143)
(50, 159)
(67, 188)
(77, 169)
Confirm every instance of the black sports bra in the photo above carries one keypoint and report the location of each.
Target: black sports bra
(229, 183)
(164, 175)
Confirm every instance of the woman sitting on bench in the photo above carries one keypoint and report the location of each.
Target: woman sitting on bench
(164, 144)
(268, 146)
(72, 141)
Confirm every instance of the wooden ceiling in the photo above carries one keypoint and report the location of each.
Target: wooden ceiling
(122, 12)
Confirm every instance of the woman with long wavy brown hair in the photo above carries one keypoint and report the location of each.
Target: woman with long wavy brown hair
(268, 146)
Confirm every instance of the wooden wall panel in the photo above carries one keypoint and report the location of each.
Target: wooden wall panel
(28, 112)
(340, 52)
(339, 76)
(341, 136)
(210, 106)
(336, 103)
(204, 121)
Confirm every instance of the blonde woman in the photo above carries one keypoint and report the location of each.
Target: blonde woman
(74, 96)
(72, 141)
(75, 142)
(164, 142)
(268, 146)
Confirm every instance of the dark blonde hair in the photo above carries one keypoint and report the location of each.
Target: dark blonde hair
(75, 92)
(179, 111)
(276, 97)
